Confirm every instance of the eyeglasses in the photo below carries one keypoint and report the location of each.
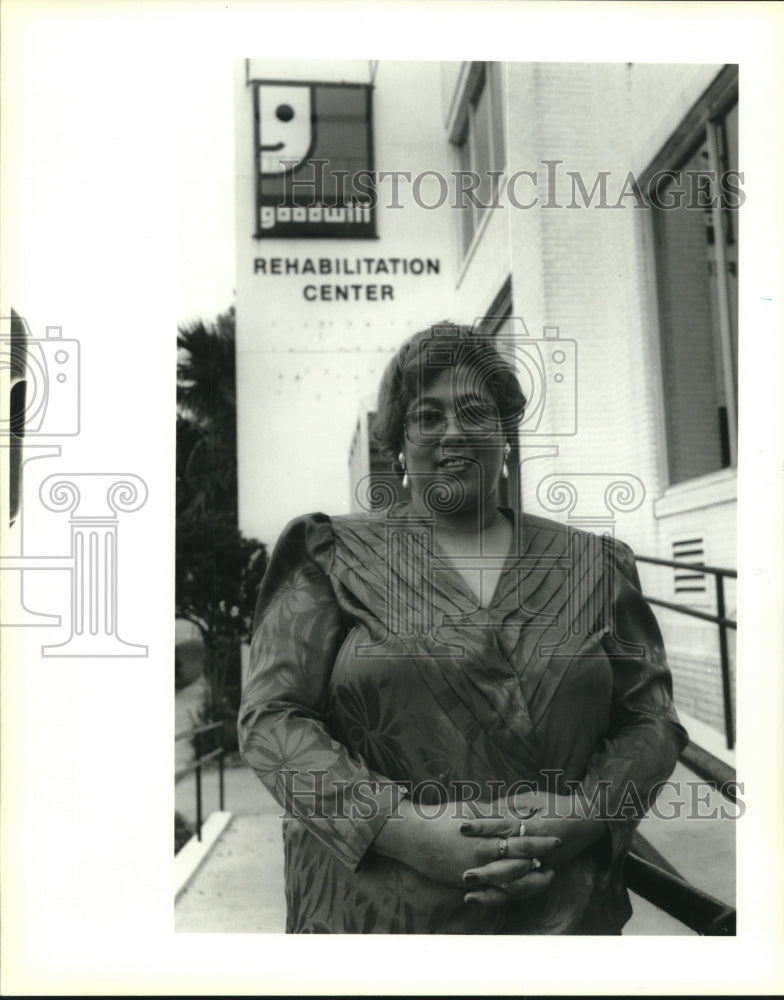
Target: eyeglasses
(476, 418)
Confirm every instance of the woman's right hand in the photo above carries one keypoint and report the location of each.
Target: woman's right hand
(436, 847)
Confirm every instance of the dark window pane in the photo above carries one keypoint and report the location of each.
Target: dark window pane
(691, 362)
(699, 340)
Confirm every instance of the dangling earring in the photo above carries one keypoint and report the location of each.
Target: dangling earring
(505, 468)
(402, 461)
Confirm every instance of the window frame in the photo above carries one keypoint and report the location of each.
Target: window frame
(481, 77)
(707, 117)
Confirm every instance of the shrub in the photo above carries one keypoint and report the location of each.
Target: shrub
(221, 696)
(183, 832)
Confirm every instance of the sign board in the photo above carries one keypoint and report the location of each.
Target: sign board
(314, 160)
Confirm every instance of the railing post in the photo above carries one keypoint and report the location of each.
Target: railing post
(220, 779)
(725, 664)
(198, 801)
(720, 619)
(197, 741)
(219, 752)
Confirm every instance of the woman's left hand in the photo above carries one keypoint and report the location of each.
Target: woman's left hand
(532, 815)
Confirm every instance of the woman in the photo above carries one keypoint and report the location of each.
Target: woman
(464, 714)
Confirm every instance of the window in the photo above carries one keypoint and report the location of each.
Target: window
(479, 138)
(694, 188)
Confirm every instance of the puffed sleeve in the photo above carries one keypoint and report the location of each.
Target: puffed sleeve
(283, 730)
(645, 738)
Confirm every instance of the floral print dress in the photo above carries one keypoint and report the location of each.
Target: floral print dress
(375, 673)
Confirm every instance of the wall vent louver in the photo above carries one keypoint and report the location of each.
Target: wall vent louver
(685, 580)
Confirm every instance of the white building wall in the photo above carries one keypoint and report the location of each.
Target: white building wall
(303, 367)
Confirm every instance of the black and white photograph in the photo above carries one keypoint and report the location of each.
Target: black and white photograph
(394, 498)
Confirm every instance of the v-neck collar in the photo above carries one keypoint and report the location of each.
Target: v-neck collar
(445, 563)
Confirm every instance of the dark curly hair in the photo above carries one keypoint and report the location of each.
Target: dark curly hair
(425, 356)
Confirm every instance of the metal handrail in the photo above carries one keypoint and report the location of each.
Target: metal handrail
(679, 564)
(649, 874)
(196, 765)
(646, 871)
(671, 893)
(715, 772)
(692, 612)
(719, 619)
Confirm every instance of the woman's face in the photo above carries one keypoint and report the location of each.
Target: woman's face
(453, 443)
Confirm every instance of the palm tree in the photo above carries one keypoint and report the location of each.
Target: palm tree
(207, 415)
(218, 570)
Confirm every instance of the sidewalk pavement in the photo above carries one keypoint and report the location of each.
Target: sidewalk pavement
(239, 887)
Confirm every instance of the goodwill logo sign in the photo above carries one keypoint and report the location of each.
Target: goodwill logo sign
(314, 160)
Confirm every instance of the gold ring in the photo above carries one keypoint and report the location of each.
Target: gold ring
(503, 847)
(522, 829)
(536, 864)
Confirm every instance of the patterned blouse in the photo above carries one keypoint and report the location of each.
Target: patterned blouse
(375, 673)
